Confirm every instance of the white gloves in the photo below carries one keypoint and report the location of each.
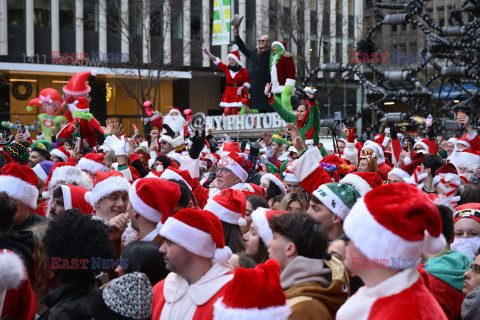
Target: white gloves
(119, 146)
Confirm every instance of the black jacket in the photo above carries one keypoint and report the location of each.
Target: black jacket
(20, 242)
(259, 76)
(69, 301)
(32, 220)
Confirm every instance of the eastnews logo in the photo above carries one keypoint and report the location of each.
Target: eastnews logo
(394, 57)
(393, 262)
(92, 263)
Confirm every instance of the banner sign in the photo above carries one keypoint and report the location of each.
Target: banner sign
(245, 121)
(221, 22)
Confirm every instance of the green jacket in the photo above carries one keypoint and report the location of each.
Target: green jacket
(313, 120)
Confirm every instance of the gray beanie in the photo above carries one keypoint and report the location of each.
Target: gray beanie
(471, 305)
(127, 297)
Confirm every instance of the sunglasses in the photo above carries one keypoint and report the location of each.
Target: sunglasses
(417, 149)
(262, 40)
(367, 152)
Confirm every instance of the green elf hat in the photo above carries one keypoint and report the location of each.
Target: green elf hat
(337, 197)
(288, 143)
(43, 144)
(271, 167)
(278, 138)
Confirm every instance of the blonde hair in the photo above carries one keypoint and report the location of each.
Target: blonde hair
(39, 283)
(291, 197)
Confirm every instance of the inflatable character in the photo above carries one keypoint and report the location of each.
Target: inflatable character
(77, 87)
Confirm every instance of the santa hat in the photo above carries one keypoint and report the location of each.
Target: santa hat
(146, 199)
(453, 141)
(93, 162)
(406, 171)
(464, 141)
(393, 223)
(289, 176)
(377, 149)
(229, 205)
(199, 232)
(81, 104)
(282, 44)
(213, 157)
(230, 147)
(77, 85)
(339, 198)
(105, 184)
(253, 189)
(363, 181)
(177, 175)
(467, 210)
(469, 160)
(382, 140)
(237, 164)
(42, 169)
(261, 217)
(12, 271)
(422, 143)
(74, 197)
(235, 56)
(446, 171)
(61, 153)
(254, 294)
(20, 183)
(66, 173)
(275, 178)
(176, 157)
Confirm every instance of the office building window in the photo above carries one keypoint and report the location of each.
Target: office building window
(67, 13)
(41, 13)
(15, 11)
(90, 15)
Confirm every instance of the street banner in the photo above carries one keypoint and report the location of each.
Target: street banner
(221, 22)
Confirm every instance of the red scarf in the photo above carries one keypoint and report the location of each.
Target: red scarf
(301, 123)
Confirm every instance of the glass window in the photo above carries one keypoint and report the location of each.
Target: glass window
(67, 13)
(135, 17)
(41, 13)
(114, 20)
(177, 26)
(90, 15)
(15, 11)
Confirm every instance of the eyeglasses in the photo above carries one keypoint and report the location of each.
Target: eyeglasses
(475, 269)
(261, 40)
(223, 171)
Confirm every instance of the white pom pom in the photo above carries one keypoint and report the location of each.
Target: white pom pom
(407, 161)
(89, 198)
(12, 271)
(432, 245)
(45, 195)
(233, 47)
(94, 72)
(242, 222)
(222, 255)
(159, 226)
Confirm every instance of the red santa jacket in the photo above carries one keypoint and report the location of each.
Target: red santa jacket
(402, 296)
(283, 74)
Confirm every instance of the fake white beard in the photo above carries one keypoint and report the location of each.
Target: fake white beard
(467, 246)
(175, 122)
(467, 175)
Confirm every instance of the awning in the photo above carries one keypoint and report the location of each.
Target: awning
(449, 93)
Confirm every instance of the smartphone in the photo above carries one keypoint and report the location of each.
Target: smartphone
(460, 113)
(407, 146)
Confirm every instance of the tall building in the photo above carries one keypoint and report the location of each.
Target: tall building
(42, 43)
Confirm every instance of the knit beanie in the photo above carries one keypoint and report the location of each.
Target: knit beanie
(43, 144)
(43, 168)
(337, 197)
(127, 297)
(16, 152)
(470, 309)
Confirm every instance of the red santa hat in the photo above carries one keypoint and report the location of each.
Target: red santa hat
(146, 200)
(464, 140)
(213, 157)
(406, 170)
(377, 149)
(61, 153)
(254, 294)
(422, 143)
(199, 232)
(275, 178)
(74, 197)
(469, 160)
(261, 217)
(177, 175)
(252, 188)
(105, 184)
(382, 140)
(81, 104)
(60, 173)
(363, 181)
(393, 223)
(77, 85)
(447, 171)
(20, 183)
(282, 44)
(230, 147)
(93, 162)
(235, 56)
(467, 210)
(237, 164)
(229, 205)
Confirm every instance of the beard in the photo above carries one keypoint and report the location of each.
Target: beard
(467, 246)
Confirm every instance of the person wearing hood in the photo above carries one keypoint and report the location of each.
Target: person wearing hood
(315, 283)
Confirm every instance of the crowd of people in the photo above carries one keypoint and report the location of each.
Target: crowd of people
(175, 224)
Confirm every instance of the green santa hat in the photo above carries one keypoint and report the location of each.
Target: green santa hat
(337, 197)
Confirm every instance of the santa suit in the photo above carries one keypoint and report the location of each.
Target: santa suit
(282, 74)
(234, 81)
(174, 298)
(402, 296)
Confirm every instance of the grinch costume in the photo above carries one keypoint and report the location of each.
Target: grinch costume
(282, 73)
